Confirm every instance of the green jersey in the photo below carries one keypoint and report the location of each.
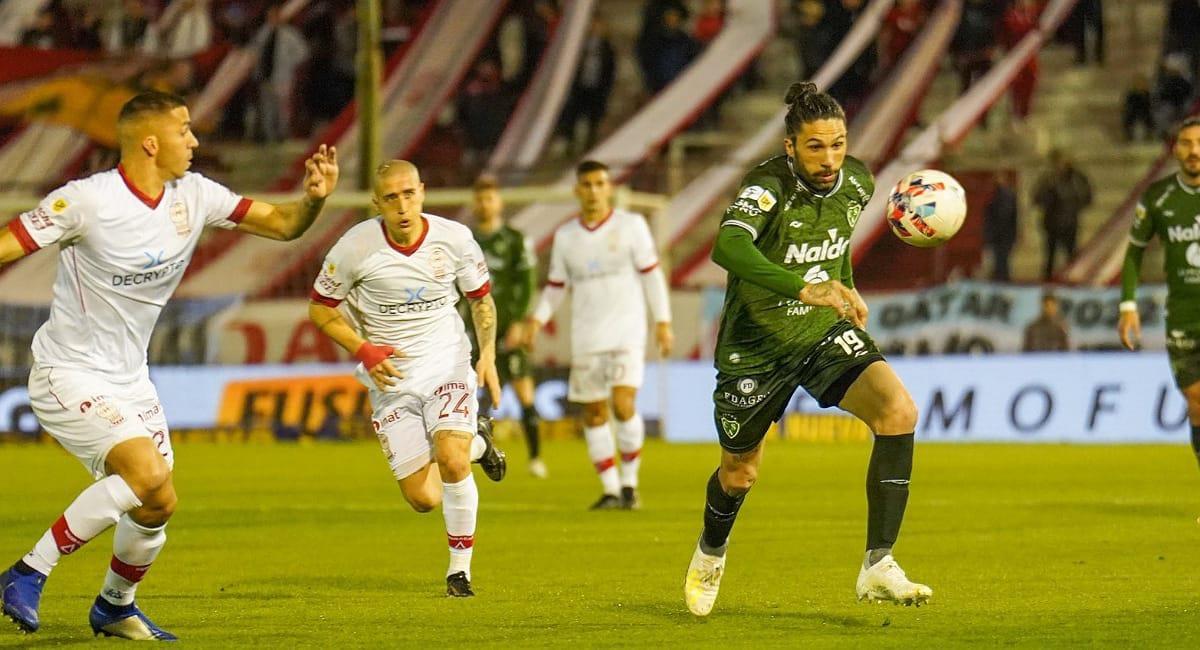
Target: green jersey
(1170, 210)
(805, 232)
(511, 263)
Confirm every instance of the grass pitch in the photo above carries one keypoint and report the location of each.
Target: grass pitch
(313, 546)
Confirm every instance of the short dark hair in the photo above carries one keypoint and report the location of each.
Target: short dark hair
(588, 166)
(486, 182)
(806, 103)
(151, 101)
(1187, 123)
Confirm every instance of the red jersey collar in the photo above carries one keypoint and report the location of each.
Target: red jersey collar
(151, 202)
(596, 226)
(406, 250)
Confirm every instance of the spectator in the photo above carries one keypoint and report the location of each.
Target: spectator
(1020, 19)
(483, 111)
(593, 86)
(184, 29)
(816, 34)
(127, 28)
(283, 52)
(650, 37)
(1137, 111)
(538, 24)
(1047, 332)
(900, 27)
(1173, 94)
(676, 49)
(1062, 194)
(709, 22)
(1087, 18)
(85, 27)
(1183, 19)
(1000, 226)
(974, 44)
(851, 89)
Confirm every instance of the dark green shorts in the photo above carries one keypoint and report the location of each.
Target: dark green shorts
(746, 405)
(1183, 349)
(513, 364)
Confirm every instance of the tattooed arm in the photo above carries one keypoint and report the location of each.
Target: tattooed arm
(483, 313)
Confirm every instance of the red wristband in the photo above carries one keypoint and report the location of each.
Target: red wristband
(371, 355)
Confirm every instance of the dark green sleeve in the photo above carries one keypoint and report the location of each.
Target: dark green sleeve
(1131, 271)
(735, 252)
(847, 271)
(524, 276)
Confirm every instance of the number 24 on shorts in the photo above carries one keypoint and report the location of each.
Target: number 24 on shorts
(461, 405)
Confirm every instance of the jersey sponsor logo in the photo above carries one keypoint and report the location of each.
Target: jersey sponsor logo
(153, 260)
(747, 385)
(137, 279)
(59, 205)
(862, 191)
(1184, 233)
(816, 274)
(795, 224)
(734, 357)
(414, 302)
(1193, 254)
(830, 249)
(179, 217)
(766, 201)
(150, 412)
(743, 401)
(449, 386)
(730, 426)
(39, 218)
(747, 206)
(853, 211)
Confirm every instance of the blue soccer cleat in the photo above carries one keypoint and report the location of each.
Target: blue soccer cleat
(20, 594)
(126, 622)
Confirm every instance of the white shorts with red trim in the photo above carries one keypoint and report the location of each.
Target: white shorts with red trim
(427, 400)
(89, 415)
(594, 375)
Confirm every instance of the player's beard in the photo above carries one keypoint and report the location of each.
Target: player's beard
(1191, 169)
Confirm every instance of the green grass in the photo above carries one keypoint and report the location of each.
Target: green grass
(313, 546)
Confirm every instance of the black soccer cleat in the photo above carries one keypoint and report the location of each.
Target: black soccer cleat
(493, 461)
(630, 499)
(458, 585)
(607, 502)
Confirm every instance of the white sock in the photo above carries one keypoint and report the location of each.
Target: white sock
(92, 512)
(601, 450)
(134, 548)
(478, 446)
(460, 507)
(631, 435)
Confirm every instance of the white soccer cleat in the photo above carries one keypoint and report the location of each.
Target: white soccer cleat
(538, 469)
(885, 581)
(702, 582)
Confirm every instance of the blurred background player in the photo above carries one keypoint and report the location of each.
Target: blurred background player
(1170, 210)
(513, 270)
(608, 261)
(125, 237)
(793, 319)
(401, 273)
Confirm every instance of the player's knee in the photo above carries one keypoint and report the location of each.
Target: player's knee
(595, 414)
(737, 478)
(624, 409)
(454, 467)
(898, 415)
(148, 480)
(423, 502)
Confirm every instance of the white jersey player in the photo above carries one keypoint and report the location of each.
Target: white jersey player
(399, 276)
(124, 238)
(608, 262)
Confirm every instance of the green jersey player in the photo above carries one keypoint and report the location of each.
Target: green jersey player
(510, 261)
(1170, 210)
(793, 319)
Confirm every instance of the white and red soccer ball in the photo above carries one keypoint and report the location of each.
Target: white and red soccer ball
(926, 208)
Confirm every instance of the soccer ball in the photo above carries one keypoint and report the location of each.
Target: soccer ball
(926, 208)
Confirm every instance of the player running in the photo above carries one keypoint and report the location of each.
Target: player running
(608, 261)
(1170, 210)
(513, 270)
(124, 238)
(793, 319)
(400, 275)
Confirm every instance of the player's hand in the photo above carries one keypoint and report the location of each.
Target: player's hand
(860, 310)
(321, 173)
(486, 371)
(377, 359)
(665, 338)
(532, 326)
(1130, 329)
(515, 336)
(836, 296)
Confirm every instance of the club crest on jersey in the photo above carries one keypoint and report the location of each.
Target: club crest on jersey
(853, 211)
(730, 426)
(179, 217)
(437, 262)
(110, 413)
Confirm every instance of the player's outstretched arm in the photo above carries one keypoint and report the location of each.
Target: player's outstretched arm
(288, 221)
(10, 247)
(483, 314)
(1129, 326)
(375, 358)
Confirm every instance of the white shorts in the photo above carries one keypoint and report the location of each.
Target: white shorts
(89, 415)
(594, 375)
(424, 402)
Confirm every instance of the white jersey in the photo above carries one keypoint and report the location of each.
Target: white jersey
(600, 265)
(121, 255)
(405, 297)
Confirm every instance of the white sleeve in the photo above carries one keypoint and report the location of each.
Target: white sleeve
(472, 273)
(59, 218)
(222, 207)
(556, 285)
(645, 255)
(337, 275)
(654, 285)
